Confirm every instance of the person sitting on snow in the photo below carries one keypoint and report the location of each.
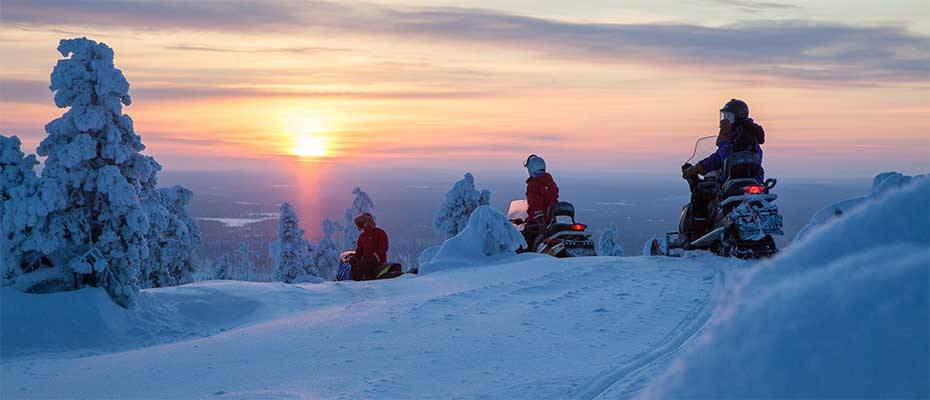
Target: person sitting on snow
(541, 192)
(371, 250)
(738, 133)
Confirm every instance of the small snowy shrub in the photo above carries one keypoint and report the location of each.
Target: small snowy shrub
(293, 256)
(608, 244)
(223, 267)
(460, 202)
(245, 266)
(325, 256)
(488, 234)
(361, 203)
(173, 237)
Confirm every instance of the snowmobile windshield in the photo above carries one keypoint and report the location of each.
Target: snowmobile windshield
(703, 147)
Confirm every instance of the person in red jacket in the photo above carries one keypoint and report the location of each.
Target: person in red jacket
(371, 250)
(541, 192)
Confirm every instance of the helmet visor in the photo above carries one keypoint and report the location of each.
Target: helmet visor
(726, 115)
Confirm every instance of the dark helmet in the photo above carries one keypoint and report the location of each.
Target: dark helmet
(737, 107)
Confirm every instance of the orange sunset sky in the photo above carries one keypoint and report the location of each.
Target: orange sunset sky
(842, 88)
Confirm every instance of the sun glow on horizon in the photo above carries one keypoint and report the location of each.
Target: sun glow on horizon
(310, 146)
(308, 136)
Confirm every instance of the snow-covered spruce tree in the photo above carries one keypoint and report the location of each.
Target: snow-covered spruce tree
(325, 256)
(293, 256)
(361, 203)
(245, 266)
(608, 244)
(173, 237)
(453, 215)
(18, 181)
(223, 267)
(94, 174)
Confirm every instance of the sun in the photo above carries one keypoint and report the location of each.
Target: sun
(310, 146)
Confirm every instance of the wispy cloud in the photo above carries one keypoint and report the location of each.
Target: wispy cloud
(793, 49)
(752, 6)
(38, 92)
(282, 50)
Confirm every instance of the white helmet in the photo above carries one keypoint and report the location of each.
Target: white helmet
(535, 164)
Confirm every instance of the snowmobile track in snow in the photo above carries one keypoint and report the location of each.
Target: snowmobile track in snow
(625, 376)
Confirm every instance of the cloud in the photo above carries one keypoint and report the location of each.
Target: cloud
(285, 50)
(237, 15)
(822, 52)
(752, 6)
(37, 92)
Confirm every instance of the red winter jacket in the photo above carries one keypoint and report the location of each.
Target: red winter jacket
(372, 242)
(541, 191)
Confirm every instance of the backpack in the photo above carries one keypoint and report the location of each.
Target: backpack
(345, 272)
(750, 136)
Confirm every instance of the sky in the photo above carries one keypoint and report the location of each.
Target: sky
(842, 88)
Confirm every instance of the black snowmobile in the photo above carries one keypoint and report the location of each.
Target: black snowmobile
(563, 237)
(741, 218)
(385, 271)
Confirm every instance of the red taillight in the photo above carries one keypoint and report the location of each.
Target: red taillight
(578, 227)
(754, 189)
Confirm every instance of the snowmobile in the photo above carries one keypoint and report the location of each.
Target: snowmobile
(385, 271)
(563, 237)
(741, 218)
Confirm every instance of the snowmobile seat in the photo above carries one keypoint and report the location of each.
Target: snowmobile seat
(562, 208)
(389, 271)
(743, 164)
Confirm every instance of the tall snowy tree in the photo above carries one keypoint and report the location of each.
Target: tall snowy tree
(361, 203)
(460, 202)
(608, 244)
(325, 256)
(173, 237)
(293, 254)
(94, 225)
(89, 213)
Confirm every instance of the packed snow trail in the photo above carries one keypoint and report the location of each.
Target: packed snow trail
(526, 327)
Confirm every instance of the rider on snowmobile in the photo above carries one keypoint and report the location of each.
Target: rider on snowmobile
(371, 250)
(738, 132)
(541, 192)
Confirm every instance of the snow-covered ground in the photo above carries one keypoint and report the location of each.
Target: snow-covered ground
(843, 313)
(529, 327)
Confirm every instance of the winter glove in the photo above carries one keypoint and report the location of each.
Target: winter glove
(693, 172)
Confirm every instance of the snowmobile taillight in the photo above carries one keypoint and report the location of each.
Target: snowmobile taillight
(754, 189)
(578, 227)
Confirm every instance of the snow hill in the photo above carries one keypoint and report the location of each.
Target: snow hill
(843, 313)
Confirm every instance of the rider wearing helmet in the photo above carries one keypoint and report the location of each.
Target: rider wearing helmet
(371, 250)
(738, 133)
(541, 192)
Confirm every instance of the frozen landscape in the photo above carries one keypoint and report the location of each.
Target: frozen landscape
(325, 200)
(842, 313)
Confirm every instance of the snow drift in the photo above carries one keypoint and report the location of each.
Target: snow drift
(488, 236)
(843, 313)
(880, 184)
